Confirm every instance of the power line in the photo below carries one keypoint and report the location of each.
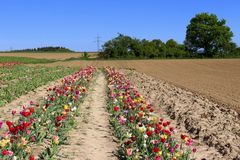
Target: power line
(98, 41)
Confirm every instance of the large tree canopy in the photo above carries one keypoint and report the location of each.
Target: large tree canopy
(205, 32)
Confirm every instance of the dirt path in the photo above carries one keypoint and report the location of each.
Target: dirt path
(92, 139)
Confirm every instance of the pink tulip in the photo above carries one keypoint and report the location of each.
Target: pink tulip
(172, 150)
(14, 112)
(122, 120)
(31, 102)
(129, 151)
(28, 132)
(157, 158)
(1, 123)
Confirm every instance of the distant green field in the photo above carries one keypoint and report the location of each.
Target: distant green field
(25, 60)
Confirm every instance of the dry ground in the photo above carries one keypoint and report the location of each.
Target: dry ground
(218, 79)
(92, 138)
(57, 56)
(215, 130)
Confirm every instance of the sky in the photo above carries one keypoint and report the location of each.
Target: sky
(75, 24)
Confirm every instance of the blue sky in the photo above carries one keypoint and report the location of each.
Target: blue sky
(75, 23)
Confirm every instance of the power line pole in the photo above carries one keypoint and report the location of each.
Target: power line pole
(98, 43)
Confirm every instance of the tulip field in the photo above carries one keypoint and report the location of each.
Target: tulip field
(142, 134)
(42, 127)
(18, 80)
(107, 113)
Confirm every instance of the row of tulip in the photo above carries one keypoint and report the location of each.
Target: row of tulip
(141, 133)
(44, 127)
(9, 64)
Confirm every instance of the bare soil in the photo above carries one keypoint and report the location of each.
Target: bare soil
(217, 79)
(57, 56)
(215, 129)
(92, 138)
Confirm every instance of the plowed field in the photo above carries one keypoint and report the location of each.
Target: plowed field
(217, 79)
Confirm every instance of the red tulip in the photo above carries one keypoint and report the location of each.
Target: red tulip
(165, 124)
(4, 152)
(8, 153)
(194, 150)
(9, 123)
(163, 140)
(59, 118)
(31, 157)
(25, 113)
(171, 129)
(149, 133)
(183, 136)
(115, 108)
(151, 110)
(155, 150)
(131, 119)
(52, 99)
(31, 109)
(133, 138)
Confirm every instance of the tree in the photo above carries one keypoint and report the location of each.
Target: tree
(127, 47)
(205, 32)
(150, 49)
(160, 45)
(171, 43)
(228, 50)
(117, 47)
(175, 50)
(136, 48)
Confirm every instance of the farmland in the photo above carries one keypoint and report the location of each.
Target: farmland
(119, 80)
(20, 80)
(218, 79)
(215, 78)
(51, 56)
(146, 100)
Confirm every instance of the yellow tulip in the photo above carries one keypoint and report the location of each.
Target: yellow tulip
(66, 107)
(168, 155)
(136, 157)
(154, 119)
(164, 136)
(178, 154)
(4, 142)
(141, 129)
(159, 153)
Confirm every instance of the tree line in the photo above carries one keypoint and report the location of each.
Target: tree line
(44, 49)
(206, 36)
